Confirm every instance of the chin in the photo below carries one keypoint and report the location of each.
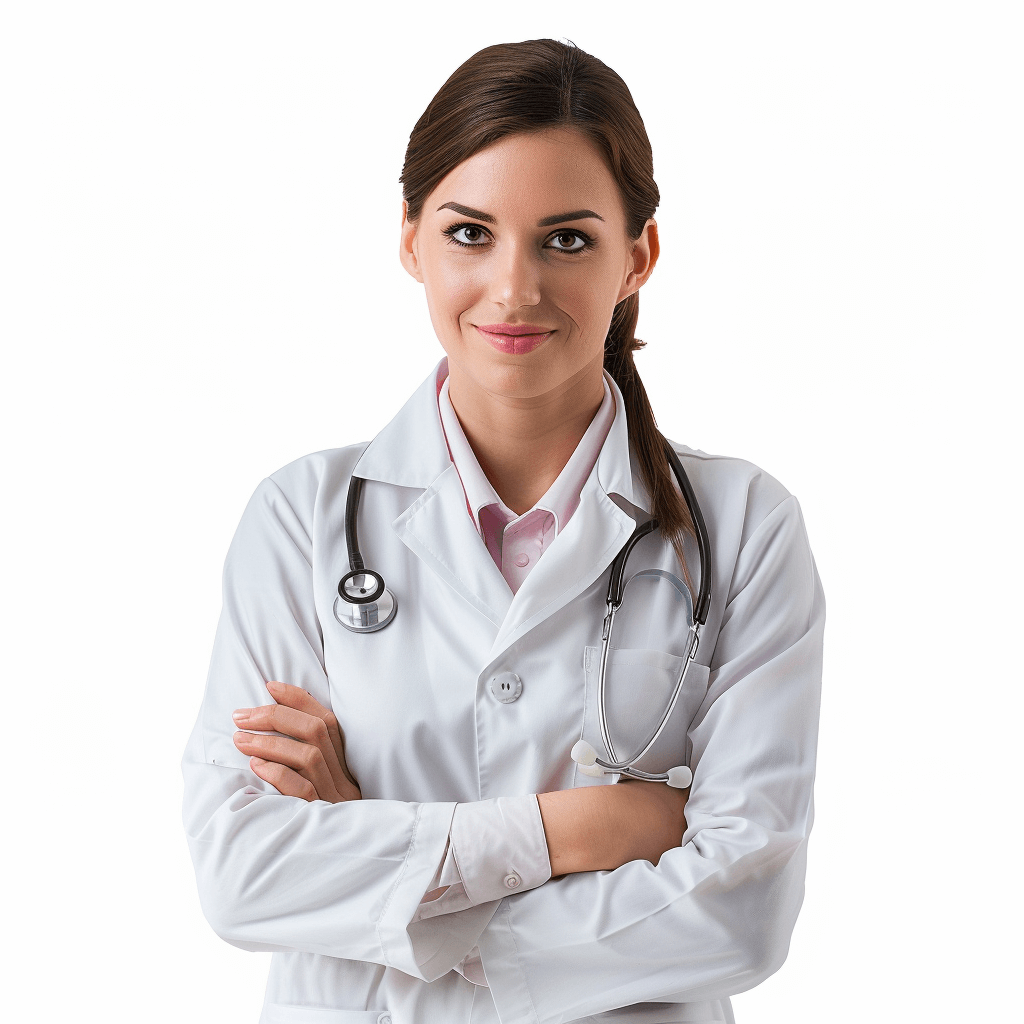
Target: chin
(507, 376)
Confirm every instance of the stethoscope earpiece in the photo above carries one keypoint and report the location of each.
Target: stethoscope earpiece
(585, 757)
(583, 753)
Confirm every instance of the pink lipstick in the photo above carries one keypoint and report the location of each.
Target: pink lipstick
(514, 339)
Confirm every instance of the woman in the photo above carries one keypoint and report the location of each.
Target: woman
(398, 816)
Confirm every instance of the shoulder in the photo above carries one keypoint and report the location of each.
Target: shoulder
(295, 493)
(730, 488)
(305, 477)
(758, 535)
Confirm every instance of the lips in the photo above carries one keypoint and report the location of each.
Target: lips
(516, 329)
(514, 339)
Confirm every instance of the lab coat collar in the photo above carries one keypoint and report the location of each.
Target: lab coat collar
(561, 498)
(411, 451)
(615, 471)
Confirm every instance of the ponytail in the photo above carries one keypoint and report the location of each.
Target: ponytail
(667, 503)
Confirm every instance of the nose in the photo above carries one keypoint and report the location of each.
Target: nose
(515, 277)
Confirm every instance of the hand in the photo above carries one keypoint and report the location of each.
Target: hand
(308, 761)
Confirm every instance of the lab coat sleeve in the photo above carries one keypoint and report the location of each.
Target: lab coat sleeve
(277, 872)
(714, 917)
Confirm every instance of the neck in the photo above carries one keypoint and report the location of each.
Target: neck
(522, 444)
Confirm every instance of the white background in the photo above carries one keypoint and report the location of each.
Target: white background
(199, 220)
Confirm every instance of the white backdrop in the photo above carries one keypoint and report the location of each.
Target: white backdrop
(200, 282)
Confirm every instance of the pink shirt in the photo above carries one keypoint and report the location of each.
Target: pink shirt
(488, 835)
(517, 542)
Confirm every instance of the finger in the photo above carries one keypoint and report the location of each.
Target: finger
(280, 718)
(296, 697)
(302, 700)
(306, 727)
(284, 779)
(304, 759)
(315, 761)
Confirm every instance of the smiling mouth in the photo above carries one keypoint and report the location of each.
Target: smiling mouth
(514, 344)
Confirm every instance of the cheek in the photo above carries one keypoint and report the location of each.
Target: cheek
(451, 289)
(590, 302)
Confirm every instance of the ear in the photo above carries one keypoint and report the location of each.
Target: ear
(644, 256)
(407, 248)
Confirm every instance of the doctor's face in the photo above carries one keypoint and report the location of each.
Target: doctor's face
(524, 253)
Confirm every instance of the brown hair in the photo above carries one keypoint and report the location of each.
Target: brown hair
(537, 84)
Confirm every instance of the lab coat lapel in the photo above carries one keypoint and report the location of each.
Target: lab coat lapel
(579, 555)
(438, 528)
(411, 451)
(587, 545)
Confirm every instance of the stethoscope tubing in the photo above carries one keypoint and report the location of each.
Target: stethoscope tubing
(612, 764)
(355, 488)
(616, 589)
(700, 611)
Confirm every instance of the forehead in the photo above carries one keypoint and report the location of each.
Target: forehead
(533, 175)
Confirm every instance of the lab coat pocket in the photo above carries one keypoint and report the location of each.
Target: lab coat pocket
(282, 1013)
(638, 688)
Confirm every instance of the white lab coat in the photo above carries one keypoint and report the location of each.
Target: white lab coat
(332, 889)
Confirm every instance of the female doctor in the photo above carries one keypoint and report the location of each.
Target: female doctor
(396, 812)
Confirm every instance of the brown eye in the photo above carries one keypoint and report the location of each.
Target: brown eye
(472, 235)
(567, 241)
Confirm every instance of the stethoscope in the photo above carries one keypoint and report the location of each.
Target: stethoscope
(359, 606)
(364, 605)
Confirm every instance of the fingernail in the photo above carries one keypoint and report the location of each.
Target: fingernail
(240, 736)
(273, 685)
(257, 761)
(240, 715)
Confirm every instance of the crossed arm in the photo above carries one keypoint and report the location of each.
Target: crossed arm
(594, 828)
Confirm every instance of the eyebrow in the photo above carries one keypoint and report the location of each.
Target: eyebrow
(468, 211)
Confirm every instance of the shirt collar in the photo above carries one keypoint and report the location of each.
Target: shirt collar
(411, 451)
(563, 497)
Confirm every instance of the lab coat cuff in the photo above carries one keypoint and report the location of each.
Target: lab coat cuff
(402, 948)
(500, 847)
(453, 898)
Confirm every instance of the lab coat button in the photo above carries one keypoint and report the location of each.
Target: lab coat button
(506, 687)
(522, 559)
(384, 1018)
(513, 881)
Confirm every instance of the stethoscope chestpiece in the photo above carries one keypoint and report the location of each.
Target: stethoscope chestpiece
(364, 604)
